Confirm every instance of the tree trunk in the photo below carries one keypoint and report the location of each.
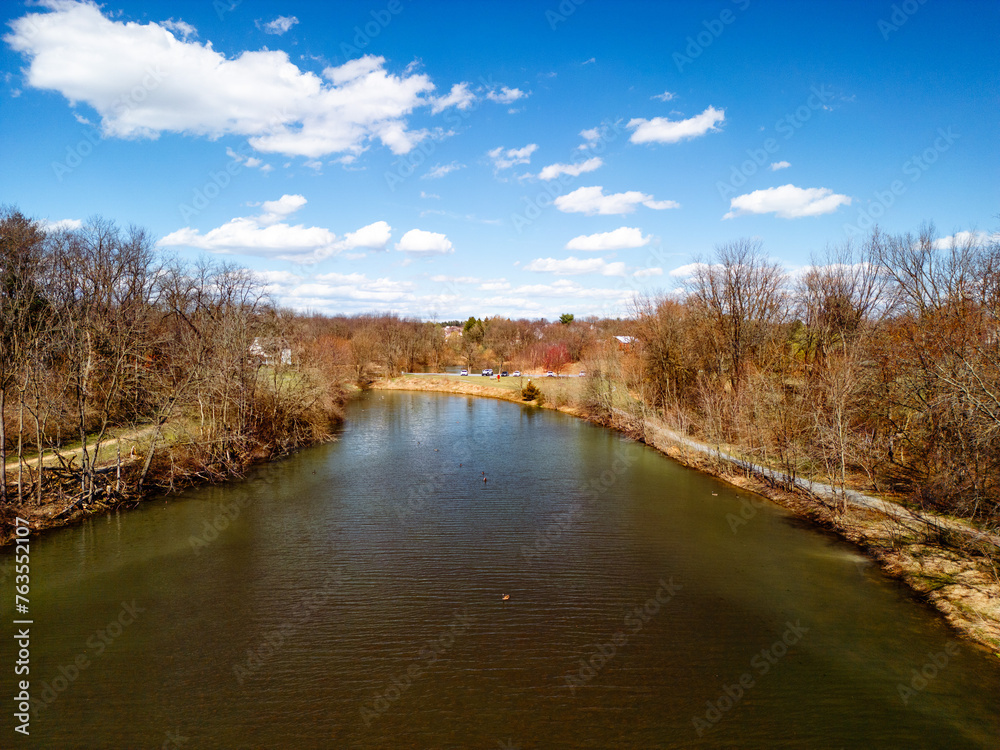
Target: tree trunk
(3, 446)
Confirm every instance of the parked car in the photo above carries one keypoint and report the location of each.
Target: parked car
(583, 374)
(550, 374)
(517, 373)
(464, 372)
(504, 374)
(487, 373)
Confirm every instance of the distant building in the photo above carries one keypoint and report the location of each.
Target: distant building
(626, 342)
(450, 331)
(270, 353)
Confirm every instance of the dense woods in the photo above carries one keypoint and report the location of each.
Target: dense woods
(877, 367)
(102, 338)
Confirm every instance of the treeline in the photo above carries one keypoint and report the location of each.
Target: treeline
(878, 367)
(875, 368)
(101, 337)
(384, 345)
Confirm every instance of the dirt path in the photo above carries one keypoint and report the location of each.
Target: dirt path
(127, 439)
(662, 435)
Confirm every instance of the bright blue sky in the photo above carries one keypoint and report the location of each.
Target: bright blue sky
(415, 167)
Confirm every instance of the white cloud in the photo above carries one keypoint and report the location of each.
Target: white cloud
(330, 290)
(185, 30)
(574, 266)
(554, 170)
(592, 137)
(60, 225)
(661, 205)
(268, 235)
(666, 96)
(622, 238)
(787, 202)
(644, 272)
(496, 285)
(689, 270)
(505, 95)
(662, 130)
(776, 165)
(504, 159)
(564, 288)
(143, 81)
(592, 200)
(374, 237)
(460, 96)
(440, 170)
(274, 211)
(278, 281)
(418, 242)
(278, 26)
(429, 195)
(445, 279)
(965, 238)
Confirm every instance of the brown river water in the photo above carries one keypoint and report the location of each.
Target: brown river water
(352, 596)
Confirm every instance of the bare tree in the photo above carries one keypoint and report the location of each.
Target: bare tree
(742, 294)
(838, 296)
(22, 318)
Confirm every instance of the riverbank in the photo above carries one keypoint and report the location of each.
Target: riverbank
(948, 564)
(179, 462)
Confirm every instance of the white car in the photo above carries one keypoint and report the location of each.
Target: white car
(550, 374)
(464, 372)
(517, 373)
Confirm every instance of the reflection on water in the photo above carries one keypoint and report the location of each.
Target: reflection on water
(352, 596)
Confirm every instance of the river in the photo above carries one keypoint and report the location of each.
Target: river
(352, 596)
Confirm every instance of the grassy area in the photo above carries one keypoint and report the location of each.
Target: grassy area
(558, 390)
(127, 437)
